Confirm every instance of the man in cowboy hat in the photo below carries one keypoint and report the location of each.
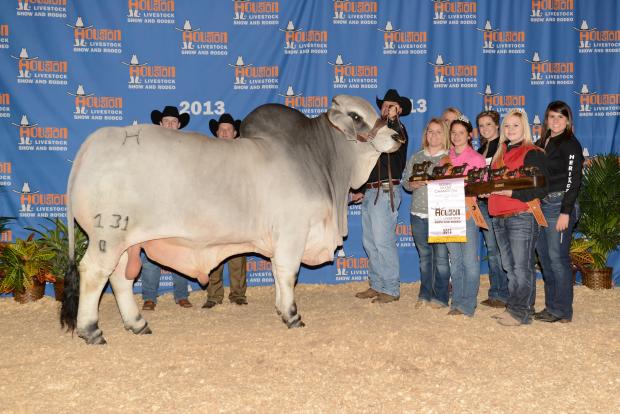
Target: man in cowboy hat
(380, 198)
(150, 274)
(170, 118)
(227, 128)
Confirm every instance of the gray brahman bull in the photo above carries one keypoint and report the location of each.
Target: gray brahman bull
(190, 201)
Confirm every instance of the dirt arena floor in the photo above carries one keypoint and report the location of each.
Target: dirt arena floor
(352, 357)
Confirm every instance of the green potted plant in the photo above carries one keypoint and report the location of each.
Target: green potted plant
(56, 239)
(599, 224)
(26, 266)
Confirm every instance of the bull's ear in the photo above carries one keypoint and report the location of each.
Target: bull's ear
(343, 122)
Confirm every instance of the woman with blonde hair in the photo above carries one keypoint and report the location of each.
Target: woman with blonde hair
(516, 217)
(434, 266)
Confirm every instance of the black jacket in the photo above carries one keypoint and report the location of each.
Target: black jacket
(564, 159)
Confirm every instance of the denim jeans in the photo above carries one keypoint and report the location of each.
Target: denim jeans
(516, 238)
(465, 271)
(379, 240)
(497, 275)
(434, 265)
(150, 275)
(553, 252)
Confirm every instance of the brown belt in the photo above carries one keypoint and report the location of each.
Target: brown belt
(378, 184)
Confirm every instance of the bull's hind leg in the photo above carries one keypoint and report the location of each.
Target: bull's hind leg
(285, 272)
(123, 291)
(93, 277)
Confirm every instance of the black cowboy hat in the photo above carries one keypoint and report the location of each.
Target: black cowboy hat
(224, 119)
(157, 116)
(392, 95)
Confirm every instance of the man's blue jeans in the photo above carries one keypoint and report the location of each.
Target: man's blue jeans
(553, 252)
(434, 265)
(465, 271)
(379, 240)
(516, 238)
(497, 276)
(150, 275)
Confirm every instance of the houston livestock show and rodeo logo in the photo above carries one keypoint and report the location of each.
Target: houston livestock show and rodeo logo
(347, 75)
(449, 75)
(496, 41)
(593, 103)
(496, 101)
(593, 40)
(310, 105)
(4, 36)
(89, 106)
(150, 11)
(552, 11)
(397, 41)
(90, 39)
(42, 8)
(35, 137)
(355, 12)
(5, 105)
(34, 70)
(455, 12)
(34, 203)
(196, 42)
(247, 76)
(298, 41)
(143, 75)
(249, 12)
(6, 171)
(546, 72)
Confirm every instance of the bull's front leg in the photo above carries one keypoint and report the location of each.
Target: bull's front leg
(123, 291)
(93, 278)
(285, 273)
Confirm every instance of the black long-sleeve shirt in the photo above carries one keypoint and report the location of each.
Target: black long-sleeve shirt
(533, 158)
(564, 160)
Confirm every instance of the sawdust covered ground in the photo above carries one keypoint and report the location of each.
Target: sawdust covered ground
(353, 356)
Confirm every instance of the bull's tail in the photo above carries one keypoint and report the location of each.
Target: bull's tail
(71, 297)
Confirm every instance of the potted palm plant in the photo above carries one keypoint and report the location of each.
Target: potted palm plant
(599, 224)
(56, 239)
(26, 266)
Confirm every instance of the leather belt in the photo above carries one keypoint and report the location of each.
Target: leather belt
(378, 184)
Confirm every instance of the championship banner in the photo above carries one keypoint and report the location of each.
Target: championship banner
(446, 211)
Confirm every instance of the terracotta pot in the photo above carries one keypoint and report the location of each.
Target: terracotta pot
(597, 278)
(59, 289)
(31, 294)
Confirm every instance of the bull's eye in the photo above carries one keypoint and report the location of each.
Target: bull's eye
(355, 116)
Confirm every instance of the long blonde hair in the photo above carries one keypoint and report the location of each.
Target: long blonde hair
(444, 132)
(527, 132)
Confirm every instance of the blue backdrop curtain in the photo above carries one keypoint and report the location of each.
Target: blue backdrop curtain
(69, 67)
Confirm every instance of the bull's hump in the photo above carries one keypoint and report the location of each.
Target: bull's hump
(271, 120)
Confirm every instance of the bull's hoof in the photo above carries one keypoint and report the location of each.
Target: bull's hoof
(92, 335)
(295, 322)
(145, 330)
(95, 339)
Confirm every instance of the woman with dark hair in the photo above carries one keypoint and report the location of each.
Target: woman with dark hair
(464, 260)
(564, 160)
(488, 128)
(434, 266)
